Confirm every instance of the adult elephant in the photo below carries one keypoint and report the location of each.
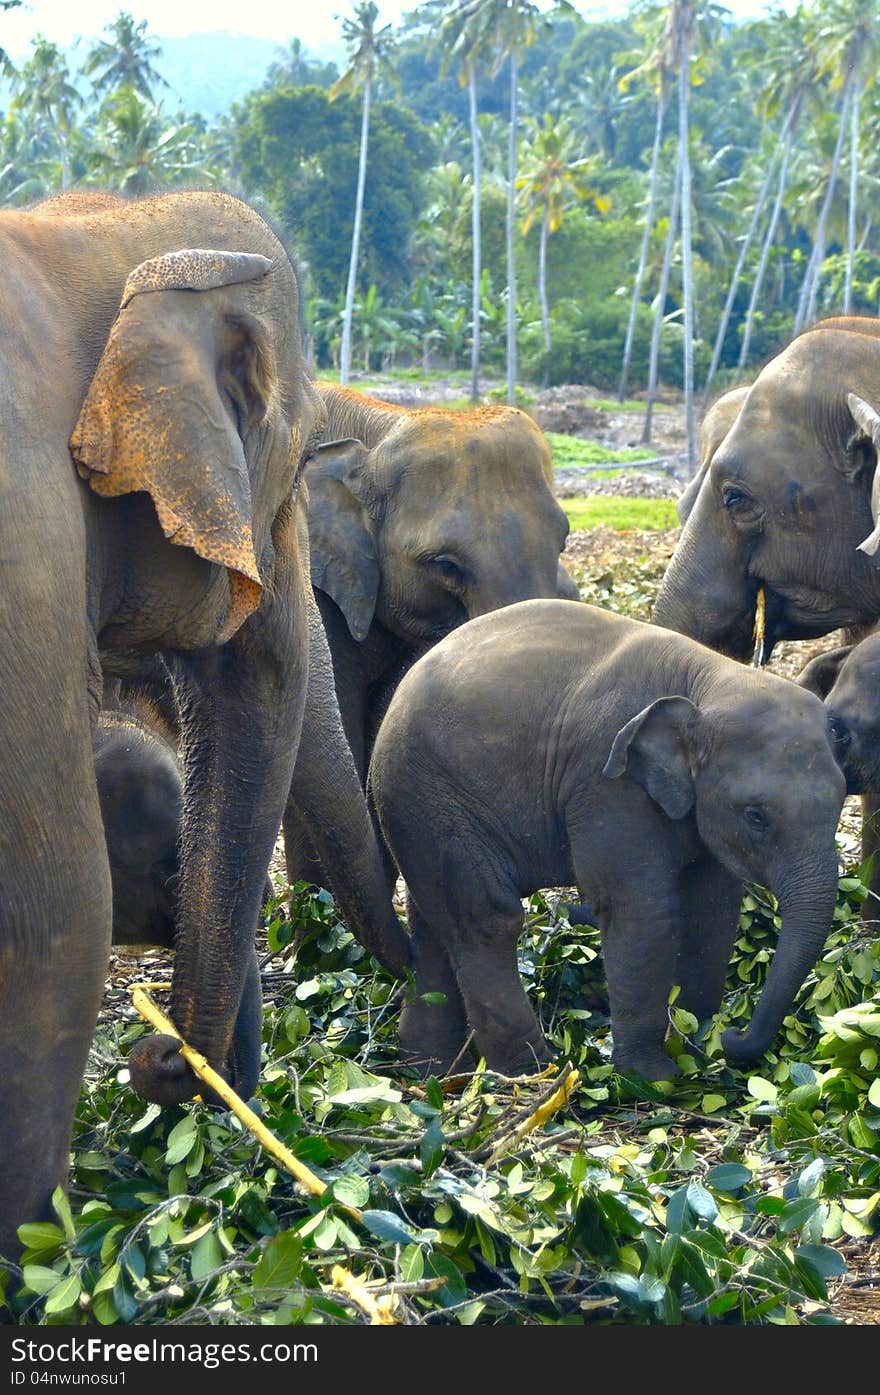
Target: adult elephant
(788, 502)
(154, 408)
(419, 519)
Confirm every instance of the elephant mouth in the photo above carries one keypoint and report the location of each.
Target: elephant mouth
(777, 618)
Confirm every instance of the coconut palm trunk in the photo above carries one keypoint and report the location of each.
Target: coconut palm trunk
(661, 302)
(687, 272)
(853, 192)
(744, 251)
(810, 288)
(646, 239)
(345, 352)
(511, 212)
(765, 254)
(476, 271)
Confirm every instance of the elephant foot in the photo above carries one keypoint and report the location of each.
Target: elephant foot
(158, 1071)
(739, 1049)
(657, 1066)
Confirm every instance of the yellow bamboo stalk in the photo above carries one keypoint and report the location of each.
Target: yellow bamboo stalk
(758, 637)
(379, 1313)
(540, 1116)
(306, 1178)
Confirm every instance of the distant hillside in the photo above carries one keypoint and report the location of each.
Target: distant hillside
(208, 72)
(205, 72)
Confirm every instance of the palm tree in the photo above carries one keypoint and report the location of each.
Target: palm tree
(786, 75)
(462, 39)
(43, 92)
(657, 68)
(850, 36)
(369, 49)
(555, 179)
(125, 59)
(661, 303)
(135, 150)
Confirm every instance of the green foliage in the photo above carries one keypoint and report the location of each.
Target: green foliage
(719, 1197)
(620, 513)
(570, 451)
(299, 151)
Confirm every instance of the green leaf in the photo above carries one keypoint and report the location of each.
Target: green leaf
(352, 1190)
(39, 1278)
(386, 1226)
(61, 1207)
(41, 1238)
(434, 1092)
(702, 1202)
(874, 1092)
(712, 1102)
(431, 1148)
(761, 1089)
(181, 1141)
(827, 1262)
(64, 1295)
(279, 1264)
(728, 1177)
(797, 1213)
(207, 1256)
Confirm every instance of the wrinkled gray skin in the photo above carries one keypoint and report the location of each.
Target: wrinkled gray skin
(714, 427)
(785, 503)
(189, 406)
(848, 681)
(418, 521)
(140, 790)
(577, 746)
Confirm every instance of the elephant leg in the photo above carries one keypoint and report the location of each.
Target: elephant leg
(640, 937)
(432, 1035)
(327, 799)
(55, 906)
(480, 925)
(871, 848)
(710, 901)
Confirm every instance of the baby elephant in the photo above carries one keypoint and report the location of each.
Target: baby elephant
(848, 680)
(552, 743)
(140, 791)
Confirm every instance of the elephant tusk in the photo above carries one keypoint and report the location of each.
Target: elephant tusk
(758, 637)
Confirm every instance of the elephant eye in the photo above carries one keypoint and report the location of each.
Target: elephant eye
(450, 570)
(755, 817)
(839, 735)
(734, 498)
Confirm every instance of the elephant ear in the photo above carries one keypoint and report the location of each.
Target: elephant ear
(344, 561)
(868, 424)
(655, 749)
(153, 418)
(820, 674)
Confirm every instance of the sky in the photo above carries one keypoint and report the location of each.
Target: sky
(315, 22)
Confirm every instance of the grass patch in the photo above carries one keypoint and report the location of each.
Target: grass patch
(570, 451)
(613, 511)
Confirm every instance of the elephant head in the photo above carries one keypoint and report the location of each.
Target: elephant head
(754, 768)
(424, 519)
(788, 502)
(847, 679)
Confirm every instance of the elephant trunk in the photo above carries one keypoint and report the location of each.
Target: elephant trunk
(706, 593)
(807, 915)
(241, 706)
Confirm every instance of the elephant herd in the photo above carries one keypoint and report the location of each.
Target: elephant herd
(232, 599)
